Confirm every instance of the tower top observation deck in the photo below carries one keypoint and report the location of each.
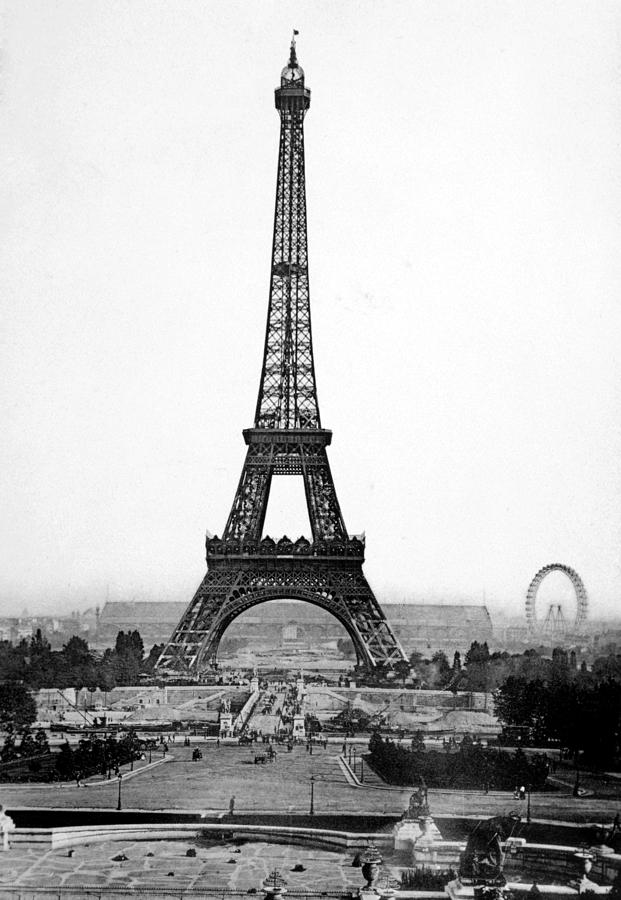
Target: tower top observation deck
(292, 94)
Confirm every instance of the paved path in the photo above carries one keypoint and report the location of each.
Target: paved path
(266, 723)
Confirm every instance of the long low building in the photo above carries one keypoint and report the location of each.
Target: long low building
(295, 625)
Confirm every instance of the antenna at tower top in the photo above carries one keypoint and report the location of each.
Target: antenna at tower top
(293, 60)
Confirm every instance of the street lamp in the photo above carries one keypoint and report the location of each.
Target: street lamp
(312, 795)
(361, 770)
(528, 788)
(118, 805)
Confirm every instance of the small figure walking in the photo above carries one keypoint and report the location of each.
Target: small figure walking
(232, 806)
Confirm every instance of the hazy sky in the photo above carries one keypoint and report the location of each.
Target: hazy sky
(464, 203)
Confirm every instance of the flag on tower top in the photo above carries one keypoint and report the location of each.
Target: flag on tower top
(295, 32)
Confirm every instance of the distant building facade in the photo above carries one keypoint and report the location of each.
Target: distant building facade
(300, 626)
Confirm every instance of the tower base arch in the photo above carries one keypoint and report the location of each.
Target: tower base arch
(232, 586)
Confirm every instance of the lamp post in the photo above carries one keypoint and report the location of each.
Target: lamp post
(528, 789)
(118, 805)
(361, 770)
(312, 795)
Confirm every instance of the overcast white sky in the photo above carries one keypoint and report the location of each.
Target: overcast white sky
(464, 200)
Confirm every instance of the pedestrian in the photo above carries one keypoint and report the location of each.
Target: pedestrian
(232, 806)
(218, 743)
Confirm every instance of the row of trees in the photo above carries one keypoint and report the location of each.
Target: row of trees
(482, 670)
(36, 665)
(471, 766)
(583, 715)
(95, 755)
(24, 745)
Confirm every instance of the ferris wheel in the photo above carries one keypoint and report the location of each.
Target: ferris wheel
(555, 621)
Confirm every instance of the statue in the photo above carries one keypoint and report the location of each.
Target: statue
(7, 825)
(419, 805)
(482, 859)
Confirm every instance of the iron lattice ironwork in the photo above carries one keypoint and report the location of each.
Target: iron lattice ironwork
(243, 567)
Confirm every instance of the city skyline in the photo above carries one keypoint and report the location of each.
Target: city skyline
(464, 199)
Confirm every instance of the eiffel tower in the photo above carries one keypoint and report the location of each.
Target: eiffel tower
(244, 568)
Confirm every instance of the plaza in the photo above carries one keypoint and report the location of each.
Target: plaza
(176, 782)
(230, 866)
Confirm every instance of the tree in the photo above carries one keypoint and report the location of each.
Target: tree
(41, 743)
(17, 706)
(66, 763)
(478, 654)
(524, 703)
(40, 671)
(27, 746)
(155, 652)
(8, 752)
(402, 669)
(127, 657)
(443, 672)
(76, 652)
(130, 644)
(137, 644)
(477, 666)
(345, 646)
